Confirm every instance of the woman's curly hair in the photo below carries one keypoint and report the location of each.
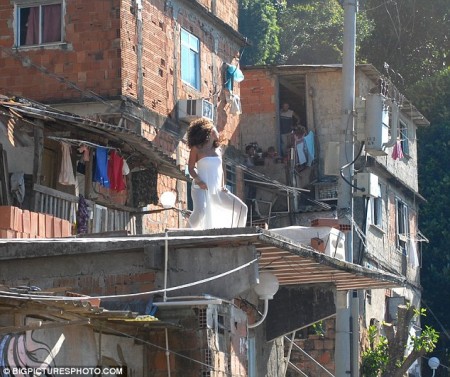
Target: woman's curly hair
(199, 132)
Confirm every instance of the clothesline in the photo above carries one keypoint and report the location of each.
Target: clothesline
(80, 142)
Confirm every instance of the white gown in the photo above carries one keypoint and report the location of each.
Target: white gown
(215, 208)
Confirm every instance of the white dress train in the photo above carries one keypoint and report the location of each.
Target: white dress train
(214, 207)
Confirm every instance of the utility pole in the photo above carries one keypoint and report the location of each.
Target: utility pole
(343, 346)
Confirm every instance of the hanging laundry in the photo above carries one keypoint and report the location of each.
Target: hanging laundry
(115, 167)
(144, 184)
(125, 168)
(235, 105)
(397, 152)
(85, 151)
(82, 215)
(309, 142)
(413, 259)
(233, 74)
(302, 152)
(101, 166)
(66, 176)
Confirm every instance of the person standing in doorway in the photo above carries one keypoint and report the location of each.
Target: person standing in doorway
(288, 120)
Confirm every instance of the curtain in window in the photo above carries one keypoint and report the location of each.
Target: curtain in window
(51, 25)
(51, 21)
(33, 27)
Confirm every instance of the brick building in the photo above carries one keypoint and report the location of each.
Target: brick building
(386, 234)
(131, 65)
(128, 76)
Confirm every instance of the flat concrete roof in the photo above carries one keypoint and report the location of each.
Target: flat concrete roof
(293, 263)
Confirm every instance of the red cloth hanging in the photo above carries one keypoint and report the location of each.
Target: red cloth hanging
(115, 165)
(397, 152)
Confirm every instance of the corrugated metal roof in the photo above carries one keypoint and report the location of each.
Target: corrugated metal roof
(292, 75)
(128, 141)
(292, 262)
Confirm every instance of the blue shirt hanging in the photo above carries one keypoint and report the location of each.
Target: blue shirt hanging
(101, 166)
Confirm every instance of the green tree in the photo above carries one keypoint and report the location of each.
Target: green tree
(432, 97)
(411, 36)
(386, 354)
(312, 32)
(258, 21)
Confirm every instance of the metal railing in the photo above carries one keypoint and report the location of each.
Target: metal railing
(64, 206)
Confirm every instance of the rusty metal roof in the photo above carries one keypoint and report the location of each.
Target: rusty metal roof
(128, 141)
(64, 311)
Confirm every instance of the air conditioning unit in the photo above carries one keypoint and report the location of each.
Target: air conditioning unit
(377, 124)
(368, 182)
(190, 109)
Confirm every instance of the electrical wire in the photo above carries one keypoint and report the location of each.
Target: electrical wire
(341, 172)
(6, 294)
(140, 340)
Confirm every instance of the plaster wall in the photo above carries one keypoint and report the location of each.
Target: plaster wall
(24, 163)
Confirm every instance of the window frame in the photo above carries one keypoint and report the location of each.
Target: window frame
(190, 75)
(403, 134)
(402, 226)
(230, 177)
(19, 30)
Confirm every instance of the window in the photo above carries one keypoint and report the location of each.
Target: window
(402, 224)
(190, 59)
(39, 24)
(404, 138)
(376, 208)
(230, 177)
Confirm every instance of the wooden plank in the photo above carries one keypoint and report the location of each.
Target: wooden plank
(38, 151)
(42, 325)
(5, 192)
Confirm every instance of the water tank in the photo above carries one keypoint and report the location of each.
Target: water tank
(377, 124)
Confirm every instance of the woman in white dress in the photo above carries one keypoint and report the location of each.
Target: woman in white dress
(214, 205)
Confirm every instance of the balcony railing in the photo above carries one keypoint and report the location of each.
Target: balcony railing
(64, 206)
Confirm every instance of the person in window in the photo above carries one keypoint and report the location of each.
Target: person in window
(250, 153)
(214, 206)
(288, 119)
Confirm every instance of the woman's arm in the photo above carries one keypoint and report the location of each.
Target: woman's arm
(193, 158)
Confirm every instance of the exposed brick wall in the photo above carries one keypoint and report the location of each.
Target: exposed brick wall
(259, 104)
(90, 58)
(100, 54)
(226, 10)
(320, 348)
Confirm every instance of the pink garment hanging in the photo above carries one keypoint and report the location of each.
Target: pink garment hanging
(66, 176)
(397, 152)
(115, 166)
(85, 150)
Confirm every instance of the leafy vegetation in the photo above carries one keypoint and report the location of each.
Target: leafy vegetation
(432, 96)
(385, 355)
(258, 22)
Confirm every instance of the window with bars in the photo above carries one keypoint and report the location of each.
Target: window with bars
(39, 24)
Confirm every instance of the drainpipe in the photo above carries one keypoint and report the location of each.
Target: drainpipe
(166, 258)
(215, 37)
(345, 199)
(140, 76)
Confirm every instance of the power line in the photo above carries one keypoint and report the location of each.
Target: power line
(27, 62)
(6, 294)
